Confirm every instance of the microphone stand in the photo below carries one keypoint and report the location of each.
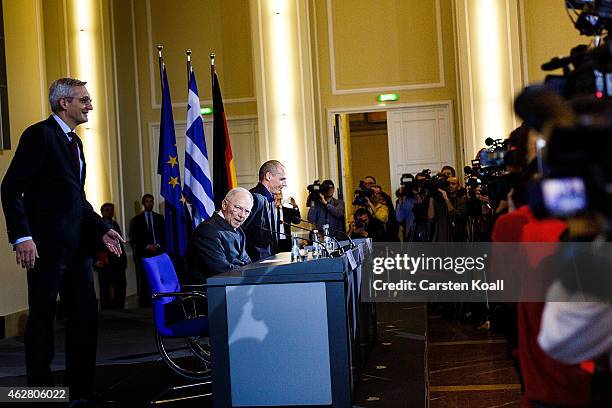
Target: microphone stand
(340, 249)
(333, 230)
(287, 235)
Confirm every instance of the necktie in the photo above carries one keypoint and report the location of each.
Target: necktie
(150, 223)
(74, 148)
(273, 225)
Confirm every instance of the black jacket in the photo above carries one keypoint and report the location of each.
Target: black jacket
(261, 243)
(140, 236)
(215, 247)
(293, 216)
(43, 196)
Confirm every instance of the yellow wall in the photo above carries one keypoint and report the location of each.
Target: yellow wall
(548, 33)
(42, 44)
(27, 105)
(370, 157)
(388, 44)
(220, 26)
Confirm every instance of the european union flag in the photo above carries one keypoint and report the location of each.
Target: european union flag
(168, 169)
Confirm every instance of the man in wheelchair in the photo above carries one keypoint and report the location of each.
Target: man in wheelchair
(218, 244)
(179, 311)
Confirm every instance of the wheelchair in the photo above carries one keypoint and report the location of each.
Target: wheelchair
(181, 325)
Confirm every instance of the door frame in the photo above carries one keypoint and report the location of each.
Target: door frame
(331, 112)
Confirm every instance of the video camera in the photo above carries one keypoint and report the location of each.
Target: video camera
(587, 70)
(432, 184)
(577, 169)
(362, 194)
(313, 193)
(315, 189)
(491, 158)
(579, 174)
(407, 186)
(427, 185)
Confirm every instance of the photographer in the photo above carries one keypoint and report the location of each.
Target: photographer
(439, 208)
(376, 205)
(366, 226)
(404, 205)
(457, 211)
(547, 382)
(449, 171)
(420, 230)
(325, 209)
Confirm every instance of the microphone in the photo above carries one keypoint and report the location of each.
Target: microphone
(556, 63)
(333, 230)
(282, 233)
(309, 230)
(304, 239)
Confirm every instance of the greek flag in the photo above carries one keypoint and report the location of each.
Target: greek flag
(198, 185)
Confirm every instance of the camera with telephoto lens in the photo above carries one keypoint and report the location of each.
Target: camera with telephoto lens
(362, 194)
(586, 71)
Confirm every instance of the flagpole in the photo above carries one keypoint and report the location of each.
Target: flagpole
(212, 65)
(161, 63)
(189, 209)
(189, 67)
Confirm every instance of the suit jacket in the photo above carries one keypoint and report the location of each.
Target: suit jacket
(293, 216)
(140, 236)
(215, 247)
(44, 197)
(261, 243)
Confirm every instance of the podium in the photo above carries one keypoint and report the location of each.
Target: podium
(289, 334)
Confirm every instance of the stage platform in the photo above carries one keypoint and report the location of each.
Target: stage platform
(129, 372)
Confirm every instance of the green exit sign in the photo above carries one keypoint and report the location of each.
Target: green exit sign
(206, 111)
(387, 97)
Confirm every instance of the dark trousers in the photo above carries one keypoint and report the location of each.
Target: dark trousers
(142, 285)
(73, 279)
(112, 282)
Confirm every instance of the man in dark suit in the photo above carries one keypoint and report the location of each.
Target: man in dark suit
(261, 226)
(54, 230)
(286, 214)
(219, 244)
(147, 237)
(111, 269)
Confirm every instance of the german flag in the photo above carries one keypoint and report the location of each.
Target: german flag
(224, 171)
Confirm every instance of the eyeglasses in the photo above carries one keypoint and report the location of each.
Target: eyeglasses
(236, 209)
(86, 100)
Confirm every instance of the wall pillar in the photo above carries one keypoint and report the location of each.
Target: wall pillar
(283, 78)
(488, 69)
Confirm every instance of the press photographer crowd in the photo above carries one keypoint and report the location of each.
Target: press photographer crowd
(549, 180)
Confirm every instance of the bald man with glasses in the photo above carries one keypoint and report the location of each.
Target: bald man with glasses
(218, 244)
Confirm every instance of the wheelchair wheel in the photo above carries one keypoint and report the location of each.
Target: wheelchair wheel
(200, 347)
(180, 356)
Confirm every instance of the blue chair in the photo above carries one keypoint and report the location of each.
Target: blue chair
(178, 314)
